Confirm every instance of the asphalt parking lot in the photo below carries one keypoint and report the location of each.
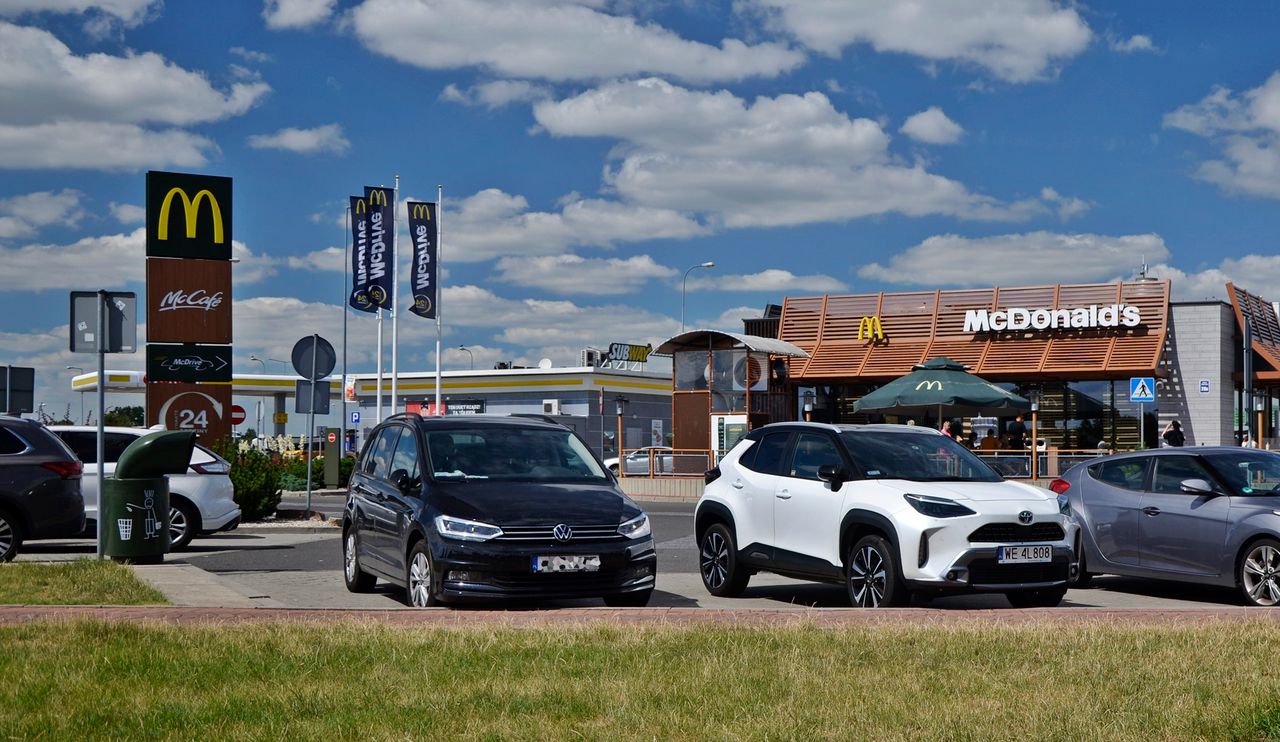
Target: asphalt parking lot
(296, 566)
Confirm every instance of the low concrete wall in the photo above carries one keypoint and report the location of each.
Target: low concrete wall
(670, 489)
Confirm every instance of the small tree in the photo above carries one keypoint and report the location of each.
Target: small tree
(126, 417)
(255, 476)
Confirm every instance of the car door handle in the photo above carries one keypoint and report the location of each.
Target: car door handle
(1151, 511)
(738, 484)
(784, 495)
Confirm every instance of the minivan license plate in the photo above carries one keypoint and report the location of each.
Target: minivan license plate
(1020, 554)
(566, 563)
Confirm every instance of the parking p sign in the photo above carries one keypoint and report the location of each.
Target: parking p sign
(355, 417)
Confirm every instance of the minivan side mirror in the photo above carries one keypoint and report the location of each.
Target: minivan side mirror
(403, 482)
(833, 473)
(1196, 487)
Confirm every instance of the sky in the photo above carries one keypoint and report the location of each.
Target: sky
(591, 152)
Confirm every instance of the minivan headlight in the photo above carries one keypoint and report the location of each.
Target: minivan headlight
(637, 527)
(466, 530)
(937, 507)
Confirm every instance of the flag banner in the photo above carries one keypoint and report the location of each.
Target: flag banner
(360, 256)
(382, 256)
(422, 229)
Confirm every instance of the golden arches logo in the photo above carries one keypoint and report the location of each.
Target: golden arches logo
(421, 211)
(190, 210)
(377, 197)
(869, 328)
(361, 206)
(932, 385)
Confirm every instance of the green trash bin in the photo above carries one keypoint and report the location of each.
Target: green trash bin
(134, 504)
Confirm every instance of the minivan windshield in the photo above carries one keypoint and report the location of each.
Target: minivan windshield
(919, 457)
(511, 453)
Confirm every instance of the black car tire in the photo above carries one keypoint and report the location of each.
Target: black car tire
(1083, 576)
(10, 537)
(1047, 598)
(184, 521)
(420, 578)
(638, 599)
(722, 576)
(1258, 573)
(358, 581)
(872, 577)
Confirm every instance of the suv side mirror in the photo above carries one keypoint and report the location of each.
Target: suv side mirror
(1196, 487)
(403, 482)
(832, 473)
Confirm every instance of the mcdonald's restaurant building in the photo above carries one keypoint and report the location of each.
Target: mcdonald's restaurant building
(1074, 350)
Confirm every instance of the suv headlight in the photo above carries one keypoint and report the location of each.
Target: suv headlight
(637, 527)
(1064, 505)
(937, 507)
(466, 530)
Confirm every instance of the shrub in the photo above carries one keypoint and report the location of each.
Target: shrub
(297, 470)
(256, 477)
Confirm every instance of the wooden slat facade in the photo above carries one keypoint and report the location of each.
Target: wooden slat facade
(925, 324)
(1266, 328)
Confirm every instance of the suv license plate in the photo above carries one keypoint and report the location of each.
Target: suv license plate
(566, 563)
(1020, 554)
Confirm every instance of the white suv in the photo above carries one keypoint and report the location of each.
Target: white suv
(887, 510)
(200, 501)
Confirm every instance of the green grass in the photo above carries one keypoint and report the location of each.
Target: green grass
(368, 681)
(82, 582)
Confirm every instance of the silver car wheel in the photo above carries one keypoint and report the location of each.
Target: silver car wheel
(867, 578)
(7, 536)
(177, 525)
(420, 581)
(714, 561)
(349, 557)
(1260, 574)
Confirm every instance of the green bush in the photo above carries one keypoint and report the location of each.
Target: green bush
(256, 477)
(297, 470)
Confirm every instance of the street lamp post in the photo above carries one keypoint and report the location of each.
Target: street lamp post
(253, 357)
(621, 403)
(81, 370)
(470, 356)
(684, 283)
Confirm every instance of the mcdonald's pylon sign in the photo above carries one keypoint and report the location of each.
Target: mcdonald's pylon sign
(201, 228)
(869, 328)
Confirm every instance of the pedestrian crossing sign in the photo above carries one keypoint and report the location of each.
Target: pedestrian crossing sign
(1142, 389)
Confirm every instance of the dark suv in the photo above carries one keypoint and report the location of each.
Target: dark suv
(483, 507)
(39, 486)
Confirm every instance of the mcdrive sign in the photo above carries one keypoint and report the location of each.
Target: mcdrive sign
(189, 362)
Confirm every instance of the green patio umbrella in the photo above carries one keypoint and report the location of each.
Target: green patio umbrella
(937, 384)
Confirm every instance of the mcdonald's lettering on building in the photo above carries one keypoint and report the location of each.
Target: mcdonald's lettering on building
(869, 328)
(188, 216)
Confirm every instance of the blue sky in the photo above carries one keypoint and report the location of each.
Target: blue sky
(593, 150)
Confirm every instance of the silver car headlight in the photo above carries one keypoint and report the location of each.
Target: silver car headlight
(465, 530)
(937, 507)
(1064, 505)
(637, 527)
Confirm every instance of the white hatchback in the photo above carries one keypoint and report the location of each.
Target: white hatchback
(200, 501)
(886, 510)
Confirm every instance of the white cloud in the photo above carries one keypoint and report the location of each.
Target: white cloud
(1258, 274)
(1136, 43)
(572, 274)
(553, 40)
(932, 126)
(496, 94)
(1015, 40)
(1017, 259)
(327, 138)
(1066, 206)
(792, 159)
(1247, 130)
(281, 14)
(771, 280)
(250, 55)
(128, 213)
(41, 81)
(730, 320)
(23, 216)
(328, 259)
(94, 145)
(100, 14)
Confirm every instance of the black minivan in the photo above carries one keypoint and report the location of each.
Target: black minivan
(474, 507)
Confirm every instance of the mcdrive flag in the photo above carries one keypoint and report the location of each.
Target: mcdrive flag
(382, 256)
(422, 229)
(360, 256)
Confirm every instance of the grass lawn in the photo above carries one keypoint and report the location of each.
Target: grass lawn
(82, 582)
(368, 681)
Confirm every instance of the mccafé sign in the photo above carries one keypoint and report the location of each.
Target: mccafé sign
(188, 301)
(1092, 317)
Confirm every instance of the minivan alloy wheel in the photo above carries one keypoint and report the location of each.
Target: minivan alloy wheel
(9, 538)
(421, 594)
(1260, 573)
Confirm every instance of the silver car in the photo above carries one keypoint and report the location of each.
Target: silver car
(1206, 515)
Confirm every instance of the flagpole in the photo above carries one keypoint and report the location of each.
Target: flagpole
(395, 297)
(346, 303)
(379, 389)
(439, 274)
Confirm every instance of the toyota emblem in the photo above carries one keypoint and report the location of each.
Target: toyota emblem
(563, 532)
(1025, 517)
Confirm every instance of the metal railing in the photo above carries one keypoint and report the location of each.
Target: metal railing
(1052, 462)
(677, 462)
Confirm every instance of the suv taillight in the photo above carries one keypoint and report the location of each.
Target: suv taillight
(212, 467)
(65, 469)
(1059, 486)
(712, 475)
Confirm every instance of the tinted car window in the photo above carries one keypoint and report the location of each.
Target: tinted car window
(85, 444)
(378, 461)
(918, 457)
(1170, 471)
(1247, 472)
(1129, 474)
(768, 459)
(10, 443)
(812, 450)
(406, 456)
(512, 453)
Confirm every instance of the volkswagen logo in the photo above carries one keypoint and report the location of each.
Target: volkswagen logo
(563, 532)
(1025, 517)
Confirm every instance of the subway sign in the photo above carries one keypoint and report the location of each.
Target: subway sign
(1092, 317)
(627, 353)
